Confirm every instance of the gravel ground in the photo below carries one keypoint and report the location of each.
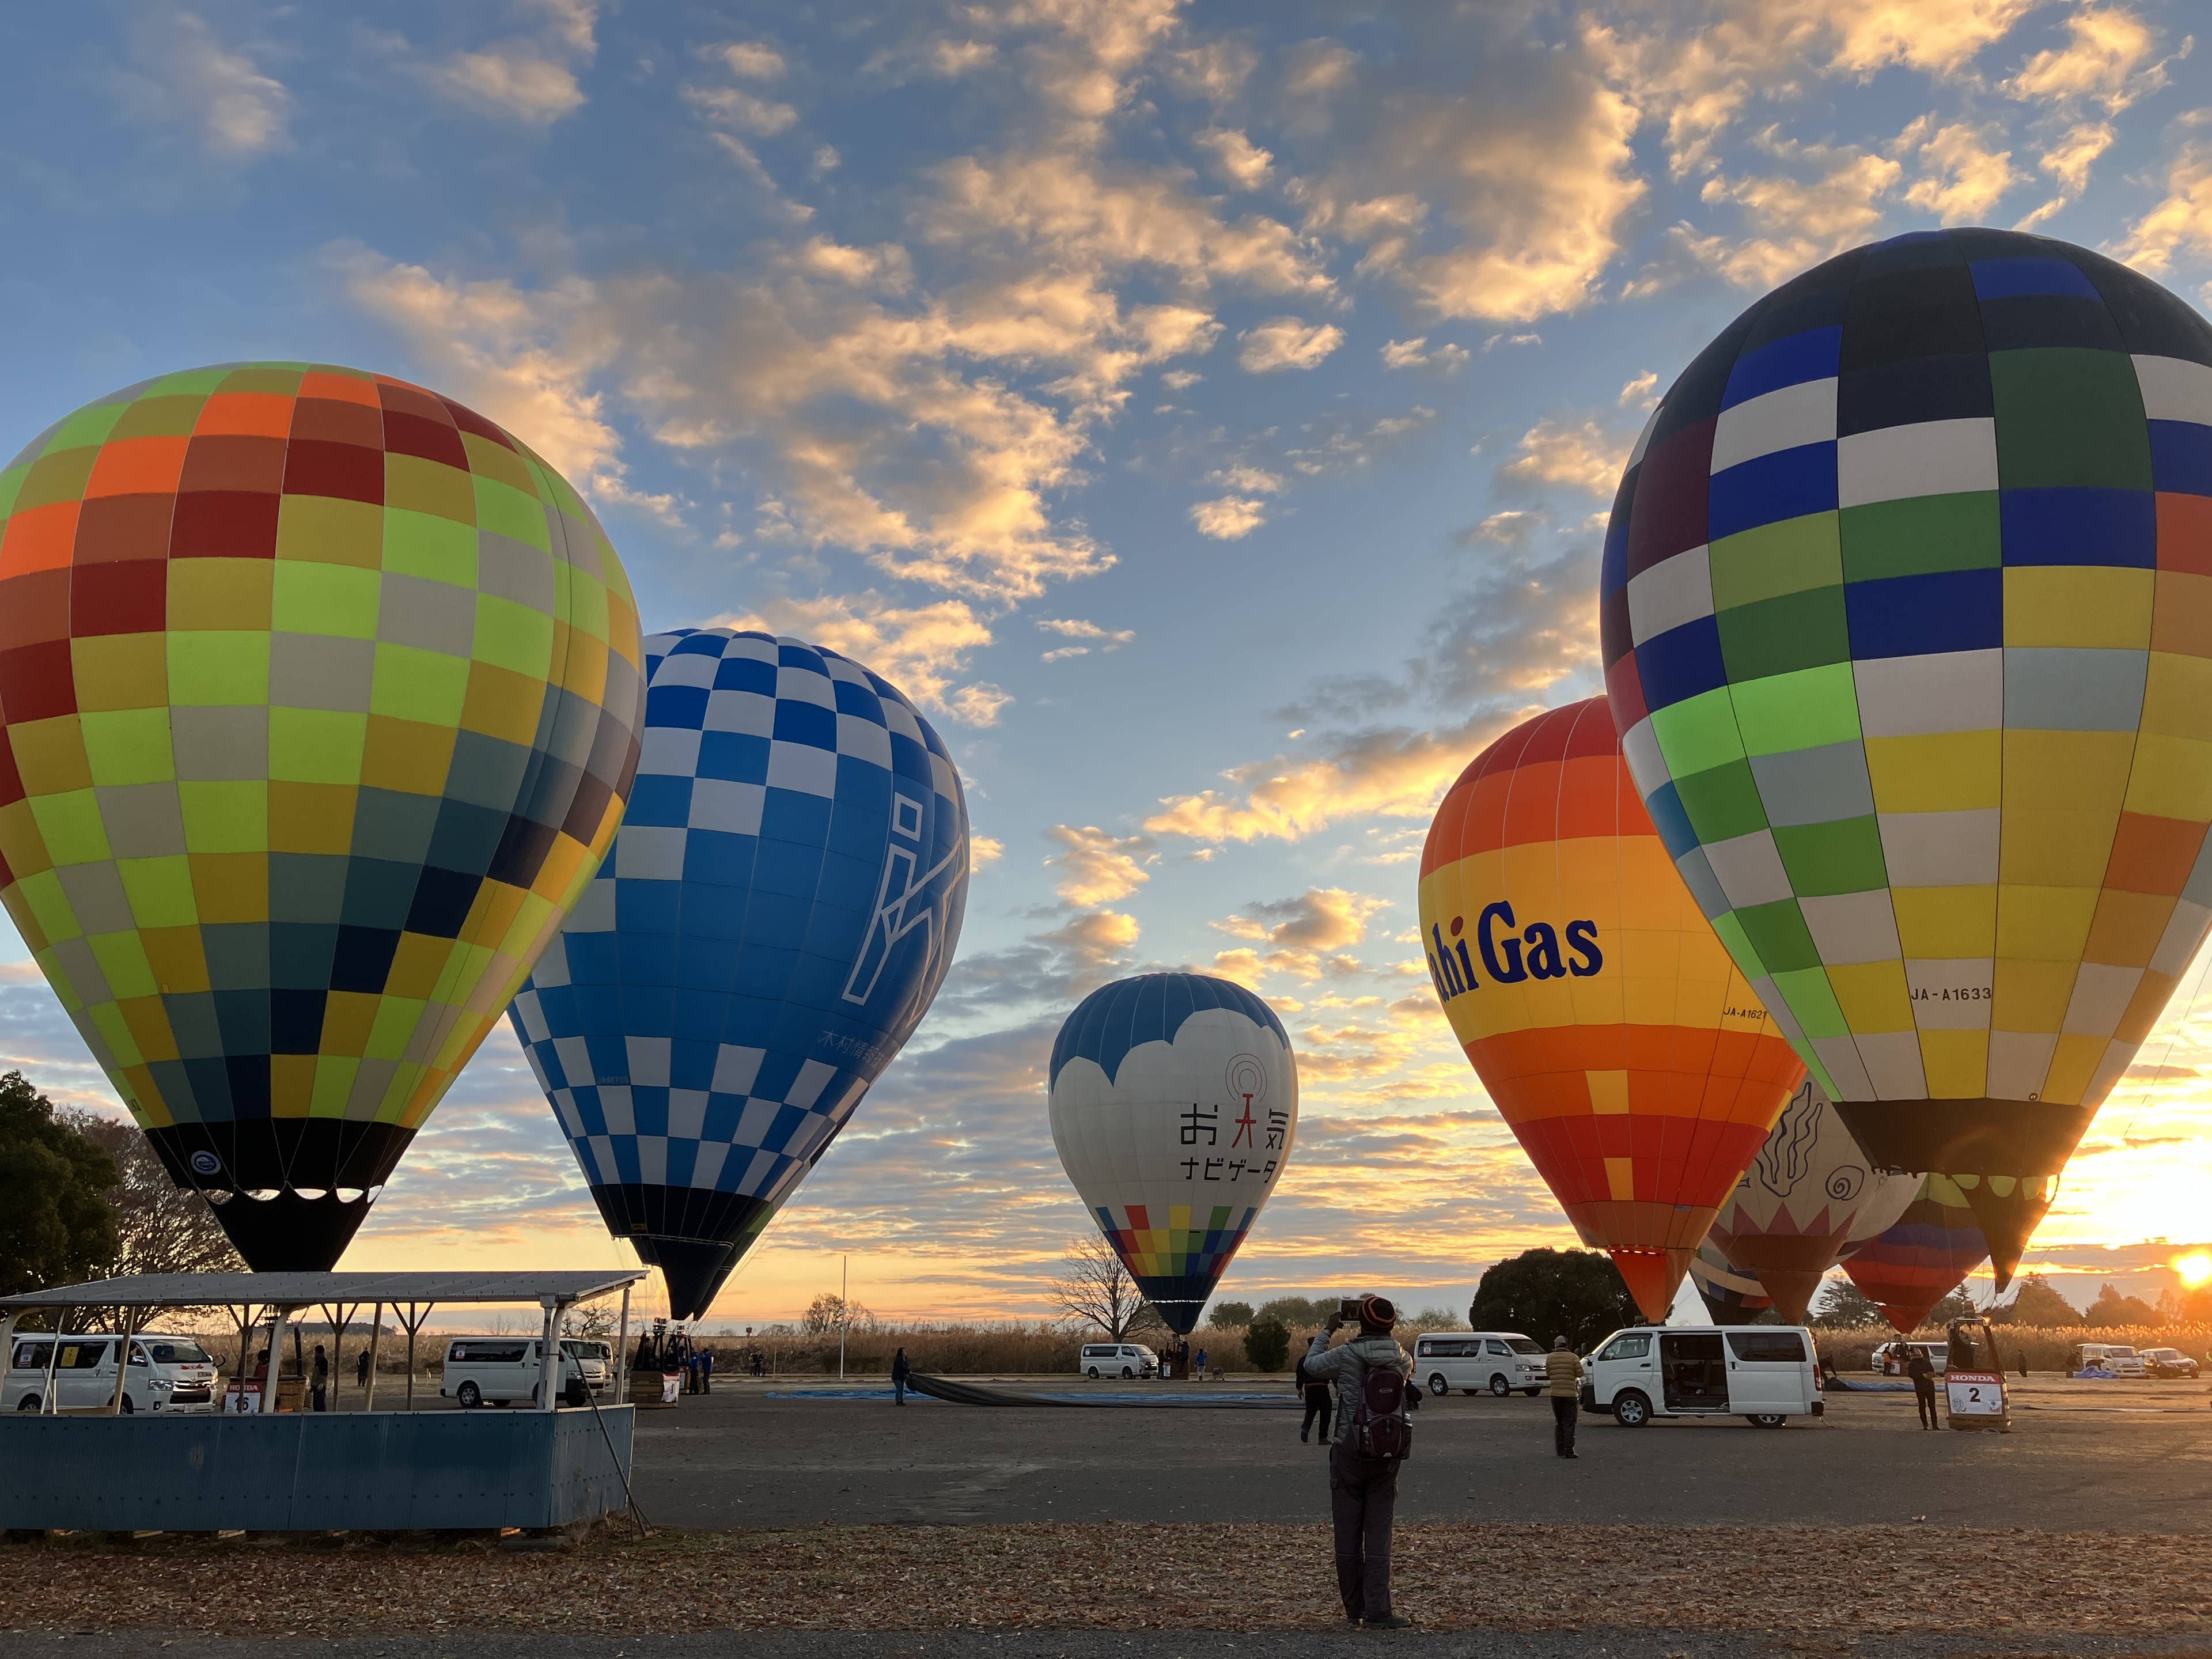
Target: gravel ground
(1985, 1590)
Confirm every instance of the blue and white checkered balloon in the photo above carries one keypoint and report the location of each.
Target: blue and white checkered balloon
(780, 905)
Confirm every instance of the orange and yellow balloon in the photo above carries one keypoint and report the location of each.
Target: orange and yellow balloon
(1629, 1056)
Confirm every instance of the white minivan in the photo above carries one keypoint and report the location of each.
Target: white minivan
(168, 1373)
(503, 1371)
(1117, 1359)
(1766, 1373)
(1500, 1361)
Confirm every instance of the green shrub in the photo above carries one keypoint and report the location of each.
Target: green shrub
(1267, 1345)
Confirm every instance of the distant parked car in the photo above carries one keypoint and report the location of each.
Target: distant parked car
(1128, 1359)
(1891, 1357)
(2107, 1358)
(2168, 1362)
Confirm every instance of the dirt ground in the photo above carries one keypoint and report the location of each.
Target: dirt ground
(782, 1522)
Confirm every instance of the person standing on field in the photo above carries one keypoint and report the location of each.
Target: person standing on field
(1922, 1369)
(1318, 1400)
(1363, 1486)
(1563, 1382)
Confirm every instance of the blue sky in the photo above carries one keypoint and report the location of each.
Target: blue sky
(1206, 413)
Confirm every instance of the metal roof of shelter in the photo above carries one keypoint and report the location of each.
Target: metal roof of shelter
(309, 1290)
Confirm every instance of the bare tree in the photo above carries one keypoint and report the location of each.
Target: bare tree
(161, 1227)
(1094, 1289)
(829, 1313)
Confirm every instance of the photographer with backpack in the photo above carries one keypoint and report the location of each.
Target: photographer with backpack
(1374, 1436)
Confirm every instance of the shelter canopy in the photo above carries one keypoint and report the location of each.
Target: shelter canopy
(309, 1290)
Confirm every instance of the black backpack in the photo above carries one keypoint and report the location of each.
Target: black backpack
(1380, 1426)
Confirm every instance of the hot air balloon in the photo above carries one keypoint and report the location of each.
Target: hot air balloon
(779, 909)
(1921, 1260)
(1634, 1064)
(1789, 1216)
(1731, 1296)
(1906, 624)
(320, 695)
(1174, 1106)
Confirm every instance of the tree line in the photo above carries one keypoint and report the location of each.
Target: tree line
(83, 1196)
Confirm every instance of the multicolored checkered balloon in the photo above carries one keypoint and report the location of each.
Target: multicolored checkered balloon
(320, 697)
(783, 903)
(1906, 607)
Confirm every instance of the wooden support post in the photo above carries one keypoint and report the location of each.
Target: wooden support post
(48, 1405)
(619, 1371)
(129, 1324)
(375, 1336)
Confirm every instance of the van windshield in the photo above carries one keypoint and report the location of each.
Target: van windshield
(1522, 1345)
(180, 1353)
(2120, 1353)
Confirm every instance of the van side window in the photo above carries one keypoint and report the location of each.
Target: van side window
(32, 1356)
(1628, 1347)
(487, 1353)
(83, 1356)
(1771, 1345)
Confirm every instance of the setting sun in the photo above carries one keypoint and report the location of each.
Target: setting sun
(2195, 1270)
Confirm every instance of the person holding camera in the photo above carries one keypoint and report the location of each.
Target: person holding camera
(1374, 1436)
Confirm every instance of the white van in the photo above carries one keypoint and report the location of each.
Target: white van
(1892, 1359)
(1500, 1361)
(1117, 1359)
(1766, 1373)
(503, 1371)
(596, 1357)
(2116, 1359)
(168, 1373)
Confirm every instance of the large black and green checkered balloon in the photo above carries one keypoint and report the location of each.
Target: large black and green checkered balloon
(1907, 615)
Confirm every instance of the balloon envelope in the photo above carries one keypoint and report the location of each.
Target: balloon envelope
(1789, 1216)
(1922, 1259)
(1906, 606)
(1631, 1059)
(779, 909)
(1731, 1296)
(320, 695)
(1174, 1106)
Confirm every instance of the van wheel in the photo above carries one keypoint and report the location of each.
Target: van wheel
(1630, 1409)
(1765, 1420)
(1438, 1386)
(1531, 1392)
(128, 1408)
(29, 1402)
(1092, 1373)
(1127, 1373)
(1500, 1387)
(469, 1396)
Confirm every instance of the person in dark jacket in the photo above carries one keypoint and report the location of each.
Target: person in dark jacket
(1319, 1399)
(322, 1379)
(1362, 1491)
(361, 1372)
(902, 1368)
(1922, 1369)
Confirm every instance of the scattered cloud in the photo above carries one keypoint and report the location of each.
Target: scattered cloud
(1416, 353)
(750, 60)
(1640, 392)
(1961, 179)
(529, 77)
(1583, 456)
(1089, 633)
(1795, 221)
(920, 649)
(1095, 867)
(1304, 938)
(2181, 222)
(2107, 61)
(1503, 199)
(1228, 517)
(181, 75)
(984, 849)
(1236, 159)
(1286, 343)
